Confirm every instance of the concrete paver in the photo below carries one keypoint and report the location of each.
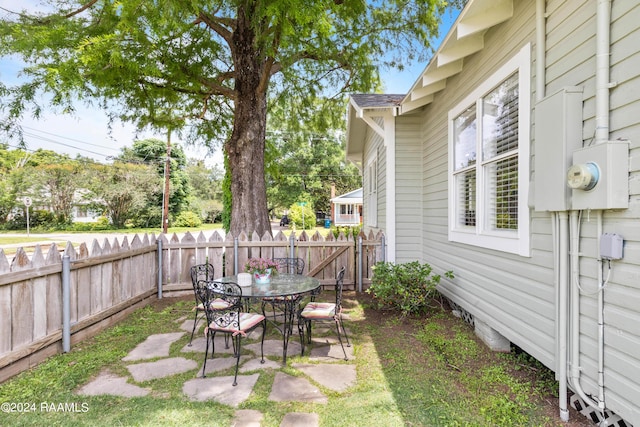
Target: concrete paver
(161, 368)
(334, 376)
(107, 383)
(287, 388)
(218, 364)
(221, 389)
(154, 346)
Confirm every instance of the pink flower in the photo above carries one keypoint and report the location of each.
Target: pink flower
(260, 265)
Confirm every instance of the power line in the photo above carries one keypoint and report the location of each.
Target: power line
(70, 139)
(62, 143)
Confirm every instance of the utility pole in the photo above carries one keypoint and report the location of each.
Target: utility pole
(165, 198)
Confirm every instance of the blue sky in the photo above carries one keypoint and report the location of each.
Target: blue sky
(87, 133)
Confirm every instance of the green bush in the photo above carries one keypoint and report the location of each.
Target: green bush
(409, 288)
(347, 230)
(187, 219)
(296, 216)
(37, 219)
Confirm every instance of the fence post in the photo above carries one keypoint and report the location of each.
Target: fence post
(159, 269)
(66, 304)
(292, 240)
(359, 263)
(235, 255)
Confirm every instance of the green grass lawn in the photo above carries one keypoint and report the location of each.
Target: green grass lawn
(428, 371)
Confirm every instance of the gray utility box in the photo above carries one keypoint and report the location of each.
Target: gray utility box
(612, 189)
(558, 133)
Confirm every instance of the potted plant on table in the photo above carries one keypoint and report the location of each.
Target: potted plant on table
(261, 269)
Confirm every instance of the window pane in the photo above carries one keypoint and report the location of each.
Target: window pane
(464, 128)
(500, 119)
(502, 194)
(466, 183)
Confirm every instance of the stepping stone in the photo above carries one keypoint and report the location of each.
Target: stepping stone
(187, 325)
(220, 389)
(247, 418)
(161, 368)
(218, 364)
(332, 376)
(154, 346)
(330, 353)
(274, 348)
(113, 385)
(199, 345)
(300, 419)
(287, 388)
(254, 364)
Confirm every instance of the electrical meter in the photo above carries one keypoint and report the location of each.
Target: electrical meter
(583, 176)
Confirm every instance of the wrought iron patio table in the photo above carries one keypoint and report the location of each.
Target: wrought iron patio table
(289, 289)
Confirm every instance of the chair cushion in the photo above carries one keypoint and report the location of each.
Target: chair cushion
(217, 304)
(319, 310)
(247, 321)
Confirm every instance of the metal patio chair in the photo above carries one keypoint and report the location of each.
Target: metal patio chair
(199, 272)
(324, 311)
(224, 309)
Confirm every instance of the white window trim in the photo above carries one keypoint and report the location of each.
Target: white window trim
(517, 242)
(372, 191)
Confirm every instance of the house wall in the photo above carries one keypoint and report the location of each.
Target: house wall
(374, 148)
(408, 203)
(513, 294)
(571, 60)
(517, 295)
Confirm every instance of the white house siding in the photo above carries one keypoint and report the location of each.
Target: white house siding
(574, 28)
(516, 295)
(408, 203)
(373, 149)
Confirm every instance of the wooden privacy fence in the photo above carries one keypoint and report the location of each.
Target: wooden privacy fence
(104, 285)
(323, 257)
(89, 289)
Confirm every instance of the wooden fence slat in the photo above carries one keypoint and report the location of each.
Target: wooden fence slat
(215, 252)
(6, 326)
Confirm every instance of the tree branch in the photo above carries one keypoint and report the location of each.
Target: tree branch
(217, 24)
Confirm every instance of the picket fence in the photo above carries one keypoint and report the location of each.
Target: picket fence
(107, 281)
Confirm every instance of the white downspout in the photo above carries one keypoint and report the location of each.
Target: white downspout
(603, 26)
(574, 251)
(563, 287)
(601, 402)
(560, 229)
(541, 49)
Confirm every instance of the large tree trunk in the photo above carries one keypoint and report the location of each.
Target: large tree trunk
(245, 148)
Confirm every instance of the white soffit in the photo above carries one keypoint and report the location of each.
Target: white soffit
(465, 38)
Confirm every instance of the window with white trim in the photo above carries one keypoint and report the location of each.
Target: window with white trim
(489, 161)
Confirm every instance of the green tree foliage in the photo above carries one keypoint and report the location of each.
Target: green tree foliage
(153, 152)
(124, 192)
(306, 163)
(302, 216)
(12, 180)
(54, 180)
(212, 64)
(206, 194)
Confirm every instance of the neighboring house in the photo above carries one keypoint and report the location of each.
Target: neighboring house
(347, 208)
(486, 166)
